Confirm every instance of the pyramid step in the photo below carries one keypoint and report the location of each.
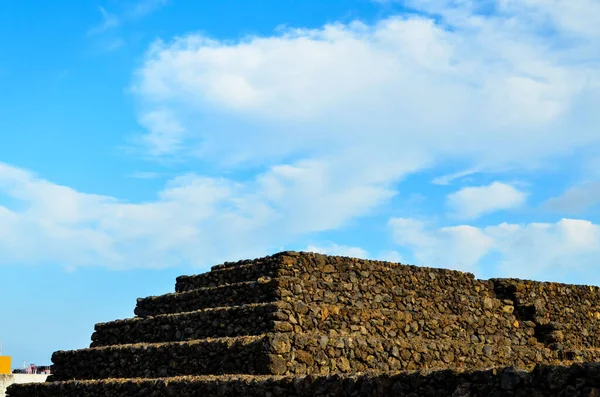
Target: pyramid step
(256, 319)
(237, 294)
(153, 360)
(372, 284)
(218, 322)
(181, 386)
(275, 258)
(282, 264)
(281, 316)
(297, 354)
(230, 275)
(541, 381)
(308, 260)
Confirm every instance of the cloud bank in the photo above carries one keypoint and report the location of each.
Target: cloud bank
(493, 90)
(567, 249)
(321, 126)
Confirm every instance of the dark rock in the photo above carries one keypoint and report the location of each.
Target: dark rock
(311, 318)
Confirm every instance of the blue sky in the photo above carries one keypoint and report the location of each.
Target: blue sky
(146, 139)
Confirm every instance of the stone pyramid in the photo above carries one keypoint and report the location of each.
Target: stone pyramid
(305, 324)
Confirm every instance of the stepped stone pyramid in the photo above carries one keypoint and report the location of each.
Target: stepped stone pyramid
(305, 324)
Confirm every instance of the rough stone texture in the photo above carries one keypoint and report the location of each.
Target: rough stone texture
(254, 319)
(562, 313)
(226, 295)
(206, 356)
(246, 270)
(345, 354)
(543, 381)
(296, 314)
(287, 354)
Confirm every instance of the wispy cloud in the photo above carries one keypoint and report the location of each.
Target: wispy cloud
(448, 178)
(109, 21)
(142, 8)
(112, 44)
(145, 175)
(127, 13)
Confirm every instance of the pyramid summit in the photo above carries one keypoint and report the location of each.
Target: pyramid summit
(306, 324)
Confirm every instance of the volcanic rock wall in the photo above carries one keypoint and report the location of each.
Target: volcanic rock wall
(267, 323)
(579, 380)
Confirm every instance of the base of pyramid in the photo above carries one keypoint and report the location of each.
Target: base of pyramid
(576, 380)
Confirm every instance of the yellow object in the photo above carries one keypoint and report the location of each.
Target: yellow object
(5, 362)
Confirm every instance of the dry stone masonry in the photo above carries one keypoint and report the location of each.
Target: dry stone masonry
(305, 324)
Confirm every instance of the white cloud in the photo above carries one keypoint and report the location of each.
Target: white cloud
(491, 90)
(577, 199)
(569, 248)
(573, 19)
(339, 115)
(323, 124)
(194, 220)
(340, 250)
(459, 247)
(472, 202)
(576, 18)
(351, 109)
(354, 252)
(165, 132)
